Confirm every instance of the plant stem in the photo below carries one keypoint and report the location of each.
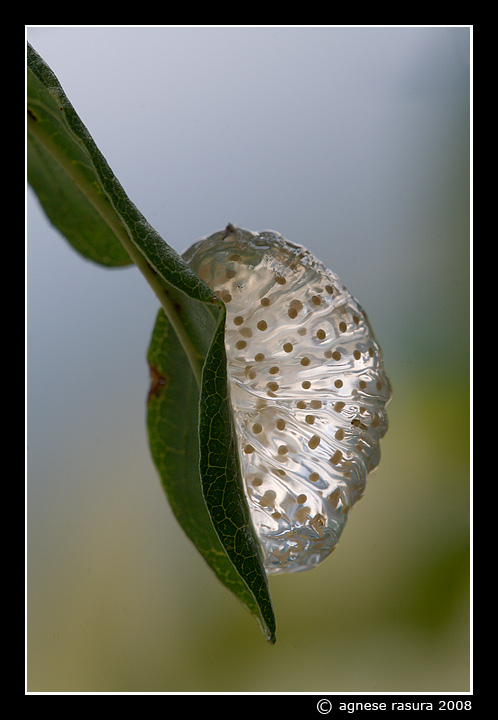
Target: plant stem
(157, 285)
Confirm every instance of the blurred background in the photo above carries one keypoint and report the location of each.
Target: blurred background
(353, 141)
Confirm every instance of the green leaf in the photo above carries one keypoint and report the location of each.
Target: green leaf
(173, 419)
(55, 156)
(222, 483)
(189, 396)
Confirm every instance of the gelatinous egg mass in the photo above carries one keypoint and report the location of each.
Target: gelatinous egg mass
(308, 390)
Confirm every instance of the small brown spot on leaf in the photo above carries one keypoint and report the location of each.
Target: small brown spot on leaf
(158, 383)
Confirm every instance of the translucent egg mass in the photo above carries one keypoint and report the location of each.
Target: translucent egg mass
(308, 390)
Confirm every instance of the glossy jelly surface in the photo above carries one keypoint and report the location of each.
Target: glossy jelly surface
(308, 389)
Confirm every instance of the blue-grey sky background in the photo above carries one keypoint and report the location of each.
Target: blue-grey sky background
(353, 141)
